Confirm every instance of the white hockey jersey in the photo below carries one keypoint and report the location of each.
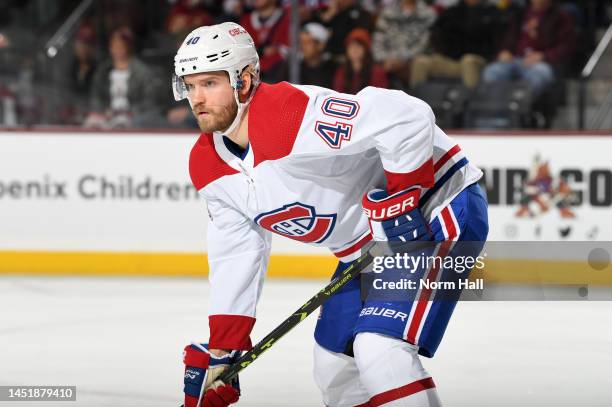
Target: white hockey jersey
(312, 155)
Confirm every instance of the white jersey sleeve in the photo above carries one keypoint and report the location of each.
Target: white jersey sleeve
(400, 127)
(238, 253)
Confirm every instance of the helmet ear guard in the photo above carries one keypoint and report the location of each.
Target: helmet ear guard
(239, 84)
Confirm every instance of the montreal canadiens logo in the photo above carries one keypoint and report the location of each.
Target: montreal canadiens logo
(299, 222)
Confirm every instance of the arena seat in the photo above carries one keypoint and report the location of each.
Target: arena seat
(447, 100)
(502, 105)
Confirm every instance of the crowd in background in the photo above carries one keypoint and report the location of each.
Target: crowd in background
(118, 69)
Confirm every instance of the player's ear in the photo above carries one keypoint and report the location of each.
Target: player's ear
(247, 82)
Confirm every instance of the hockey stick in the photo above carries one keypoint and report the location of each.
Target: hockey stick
(298, 316)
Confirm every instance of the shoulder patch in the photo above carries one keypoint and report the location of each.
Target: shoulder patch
(275, 117)
(205, 165)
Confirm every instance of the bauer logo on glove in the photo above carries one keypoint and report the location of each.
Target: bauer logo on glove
(379, 206)
(396, 217)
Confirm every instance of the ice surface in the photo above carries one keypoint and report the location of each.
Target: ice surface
(119, 340)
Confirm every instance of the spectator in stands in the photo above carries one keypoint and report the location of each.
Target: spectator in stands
(232, 11)
(343, 16)
(316, 67)
(463, 38)
(81, 75)
(306, 8)
(268, 24)
(186, 15)
(4, 41)
(124, 13)
(359, 69)
(402, 32)
(8, 101)
(169, 113)
(173, 115)
(539, 41)
(29, 97)
(440, 5)
(123, 87)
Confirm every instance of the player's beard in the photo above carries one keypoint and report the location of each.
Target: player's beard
(218, 118)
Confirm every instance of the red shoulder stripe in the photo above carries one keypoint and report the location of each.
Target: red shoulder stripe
(205, 165)
(275, 116)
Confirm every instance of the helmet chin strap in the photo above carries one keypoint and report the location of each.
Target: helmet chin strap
(240, 112)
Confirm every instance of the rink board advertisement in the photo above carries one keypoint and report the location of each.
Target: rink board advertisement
(123, 203)
(545, 188)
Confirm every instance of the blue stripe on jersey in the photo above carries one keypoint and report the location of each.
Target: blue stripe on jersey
(451, 171)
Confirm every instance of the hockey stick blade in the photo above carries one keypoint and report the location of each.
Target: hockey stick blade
(298, 316)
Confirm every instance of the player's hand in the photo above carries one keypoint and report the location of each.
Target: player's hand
(202, 368)
(396, 217)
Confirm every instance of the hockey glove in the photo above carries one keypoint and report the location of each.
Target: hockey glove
(202, 368)
(398, 227)
(396, 217)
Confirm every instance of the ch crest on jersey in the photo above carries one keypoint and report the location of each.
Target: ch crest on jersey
(299, 222)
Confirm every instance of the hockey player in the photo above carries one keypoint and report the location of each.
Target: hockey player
(311, 164)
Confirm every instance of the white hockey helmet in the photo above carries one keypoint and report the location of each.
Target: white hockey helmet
(222, 47)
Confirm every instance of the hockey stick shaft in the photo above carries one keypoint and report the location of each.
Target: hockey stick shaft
(298, 316)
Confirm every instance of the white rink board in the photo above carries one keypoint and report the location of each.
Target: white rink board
(175, 221)
(84, 220)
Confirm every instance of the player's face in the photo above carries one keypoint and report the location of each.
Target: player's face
(212, 100)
